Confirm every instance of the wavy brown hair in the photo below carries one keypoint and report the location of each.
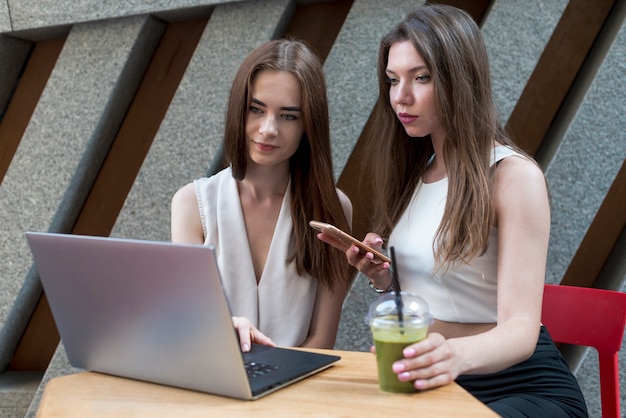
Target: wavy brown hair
(452, 47)
(313, 193)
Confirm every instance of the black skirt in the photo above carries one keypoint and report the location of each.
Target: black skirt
(542, 386)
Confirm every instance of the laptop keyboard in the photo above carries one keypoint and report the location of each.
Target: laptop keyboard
(255, 369)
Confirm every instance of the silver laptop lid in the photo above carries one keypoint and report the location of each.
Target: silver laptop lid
(153, 311)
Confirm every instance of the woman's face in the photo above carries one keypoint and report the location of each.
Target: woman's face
(411, 91)
(274, 125)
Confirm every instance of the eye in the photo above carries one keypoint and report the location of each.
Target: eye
(289, 117)
(423, 78)
(392, 81)
(254, 109)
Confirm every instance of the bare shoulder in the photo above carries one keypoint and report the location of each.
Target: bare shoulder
(184, 195)
(186, 224)
(518, 171)
(519, 181)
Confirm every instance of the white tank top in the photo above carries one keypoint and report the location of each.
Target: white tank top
(466, 293)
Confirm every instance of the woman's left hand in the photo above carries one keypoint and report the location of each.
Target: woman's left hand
(429, 363)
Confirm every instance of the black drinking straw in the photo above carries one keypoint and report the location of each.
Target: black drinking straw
(396, 285)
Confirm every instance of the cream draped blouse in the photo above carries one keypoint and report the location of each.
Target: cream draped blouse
(281, 305)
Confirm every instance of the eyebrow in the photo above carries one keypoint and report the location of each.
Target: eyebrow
(412, 70)
(287, 108)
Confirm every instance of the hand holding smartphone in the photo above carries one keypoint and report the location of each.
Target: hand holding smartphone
(349, 240)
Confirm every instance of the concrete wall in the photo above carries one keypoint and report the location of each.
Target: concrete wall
(108, 47)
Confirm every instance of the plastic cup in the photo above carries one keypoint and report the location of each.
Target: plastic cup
(391, 335)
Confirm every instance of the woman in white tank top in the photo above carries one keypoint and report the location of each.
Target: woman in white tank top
(468, 216)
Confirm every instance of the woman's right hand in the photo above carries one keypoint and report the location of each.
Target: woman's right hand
(249, 334)
(378, 272)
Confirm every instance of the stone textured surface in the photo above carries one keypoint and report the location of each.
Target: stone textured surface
(16, 392)
(54, 164)
(351, 72)
(5, 18)
(59, 366)
(13, 53)
(33, 14)
(588, 159)
(516, 34)
(192, 131)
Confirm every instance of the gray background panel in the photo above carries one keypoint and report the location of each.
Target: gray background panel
(34, 14)
(516, 34)
(51, 171)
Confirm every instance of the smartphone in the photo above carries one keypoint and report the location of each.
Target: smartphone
(348, 239)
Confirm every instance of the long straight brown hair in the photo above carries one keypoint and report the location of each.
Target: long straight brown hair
(313, 192)
(452, 47)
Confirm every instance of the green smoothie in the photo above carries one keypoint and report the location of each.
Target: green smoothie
(390, 338)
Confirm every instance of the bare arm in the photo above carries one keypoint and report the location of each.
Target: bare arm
(325, 320)
(186, 226)
(327, 309)
(523, 221)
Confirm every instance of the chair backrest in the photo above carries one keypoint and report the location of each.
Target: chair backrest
(593, 318)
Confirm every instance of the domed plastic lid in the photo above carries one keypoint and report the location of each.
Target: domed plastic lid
(384, 310)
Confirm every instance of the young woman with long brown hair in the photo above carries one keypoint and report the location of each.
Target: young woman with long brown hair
(468, 216)
(279, 279)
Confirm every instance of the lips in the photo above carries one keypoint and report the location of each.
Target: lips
(406, 118)
(264, 147)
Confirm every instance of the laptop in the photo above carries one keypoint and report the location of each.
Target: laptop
(157, 312)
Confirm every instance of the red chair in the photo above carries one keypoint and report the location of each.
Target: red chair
(593, 318)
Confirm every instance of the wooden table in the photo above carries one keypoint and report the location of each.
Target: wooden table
(347, 389)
